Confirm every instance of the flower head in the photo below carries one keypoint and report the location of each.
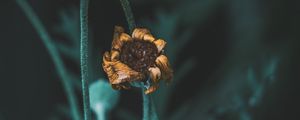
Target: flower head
(136, 58)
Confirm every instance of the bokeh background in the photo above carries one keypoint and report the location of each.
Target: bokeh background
(233, 59)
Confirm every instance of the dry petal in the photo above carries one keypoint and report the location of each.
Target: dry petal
(122, 73)
(107, 67)
(117, 43)
(149, 37)
(125, 37)
(152, 89)
(106, 60)
(118, 72)
(115, 55)
(163, 63)
(160, 44)
(155, 74)
(139, 33)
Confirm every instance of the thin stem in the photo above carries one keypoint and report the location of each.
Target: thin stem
(128, 13)
(84, 57)
(58, 63)
(148, 107)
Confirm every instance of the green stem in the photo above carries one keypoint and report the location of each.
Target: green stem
(84, 57)
(58, 63)
(148, 107)
(128, 13)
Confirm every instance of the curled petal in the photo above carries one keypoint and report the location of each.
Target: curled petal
(117, 43)
(149, 37)
(155, 74)
(118, 73)
(107, 66)
(106, 56)
(106, 61)
(151, 89)
(160, 44)
(139, 33)
(114, 55)
(124, 37)
(163, 63)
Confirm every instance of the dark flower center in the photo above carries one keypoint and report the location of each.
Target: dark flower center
(138, 55)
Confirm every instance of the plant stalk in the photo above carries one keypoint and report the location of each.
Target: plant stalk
(148, 107)
(84, 57)
(128, 13)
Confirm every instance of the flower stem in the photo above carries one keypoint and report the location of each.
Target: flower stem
(128, 13)
(149, 112)
(58, 63)
(148, 107)
(84, 57)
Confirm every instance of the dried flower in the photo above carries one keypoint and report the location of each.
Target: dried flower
(135, 59)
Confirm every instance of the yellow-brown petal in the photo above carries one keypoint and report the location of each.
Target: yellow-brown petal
(163, 63)
(106, 56)
(107, 66)
(125, 37)
(160, 44)
(149, 37)
(116, 43)
(151, 89)
(122, 73)
(155, 74)
(106, 61)
(139, 33)
(114, 55)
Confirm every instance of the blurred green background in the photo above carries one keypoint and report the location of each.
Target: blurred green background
(233, 59)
